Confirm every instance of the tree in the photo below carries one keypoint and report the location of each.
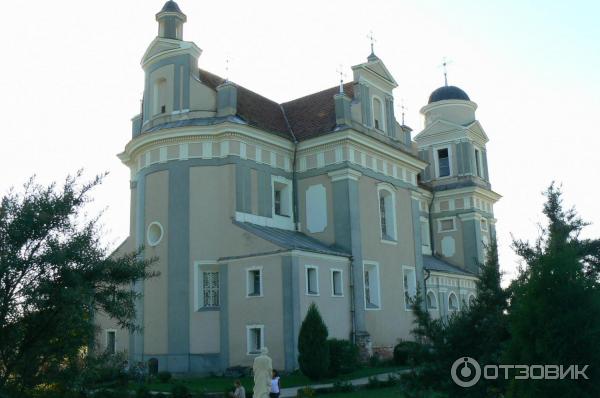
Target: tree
(313, 350)
(478, 331)
(555, 305)
(54, 274)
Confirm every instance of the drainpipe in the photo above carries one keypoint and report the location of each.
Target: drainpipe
(352, 304)
(431, 237)
(294, 174)
(427, 275)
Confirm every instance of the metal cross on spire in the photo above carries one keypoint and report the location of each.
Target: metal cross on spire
(403, 109)
(227, 62)
(444, 65)
(340, 71)
(373, 41)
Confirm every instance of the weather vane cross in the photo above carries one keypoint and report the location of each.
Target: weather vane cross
(340, 72)
(444, 65)
(403, 108)
(372, 40)
(227, 67)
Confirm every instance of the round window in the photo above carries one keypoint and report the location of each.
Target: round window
(155, 233)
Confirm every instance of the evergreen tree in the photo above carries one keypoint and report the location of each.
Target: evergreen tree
(478, 331)
(313, 350)
(54, 274)
(555, 305)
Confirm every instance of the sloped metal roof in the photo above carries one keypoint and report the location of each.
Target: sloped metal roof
(432, 263)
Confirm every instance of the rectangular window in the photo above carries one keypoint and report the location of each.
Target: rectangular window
(410, 287)
(484, 225)
(312, 280)
(336, 283)
(443, 162)
(111, 341)
(210, 289)
(277, 201)
(425, 233)
(478, 163)
(254, 282)
(282, 197)
(384, 232)
(446, 224)
(255, 339)
(371, 283)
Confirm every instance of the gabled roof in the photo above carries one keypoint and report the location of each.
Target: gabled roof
(378, 68)
(436, 264)
(291, 240)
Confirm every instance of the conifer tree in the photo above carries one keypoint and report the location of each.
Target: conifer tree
(555, 305)
(313, 350)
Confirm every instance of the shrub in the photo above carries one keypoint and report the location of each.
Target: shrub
(373, 383)
(313, 350)
(306, 392)
(408, 353)
(143, 392)
(180, 391)
(343, 357)
(164, 376)
(342, 386)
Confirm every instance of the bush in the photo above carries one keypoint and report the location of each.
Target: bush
(143, 392)
(164, 376)
(408, 353)
(342, 386)
(313, 350)
(373, 383)
(343, 357)
(306, 392)
(180, 391)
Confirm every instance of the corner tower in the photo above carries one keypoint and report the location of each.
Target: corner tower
(453, 142)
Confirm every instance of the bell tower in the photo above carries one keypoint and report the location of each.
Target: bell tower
(170, 21)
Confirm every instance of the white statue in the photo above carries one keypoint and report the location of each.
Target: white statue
(263, 371)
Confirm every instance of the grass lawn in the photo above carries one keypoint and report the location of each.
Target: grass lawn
(219, 384)
(389, 392)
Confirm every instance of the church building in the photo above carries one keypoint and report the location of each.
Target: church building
(256, 209)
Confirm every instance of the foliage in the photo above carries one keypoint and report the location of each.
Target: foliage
(343, 357)
(55, 274)
(180, 391)
(143, 392)
(313, 350)
(342, 386)
(478, 331)
(164, 376)
(407, 353)
(306, 392)
(555, 304)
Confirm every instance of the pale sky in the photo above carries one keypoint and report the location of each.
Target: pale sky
(70, 81)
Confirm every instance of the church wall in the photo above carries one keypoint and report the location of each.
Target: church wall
(327, 234)
(166, 72)
(202, 98)
(452, 112)
(156, 289)
(266, 310)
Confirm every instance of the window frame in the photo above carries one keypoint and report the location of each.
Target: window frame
(407, 306)
(370, 306)
(199, 268)
(389, 191)
(436, 157)
(249, 329)
(439, 220)
(308, 268)
(382, 126)
(332, 271)
(435, 299)
(249, 270)
(106, 333)
(159, 91)
(288, 197)
(470, 297)
(457, 302)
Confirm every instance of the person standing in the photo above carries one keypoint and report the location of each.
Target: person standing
(240, 391)
(275, 386)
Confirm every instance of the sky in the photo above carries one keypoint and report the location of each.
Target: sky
(70, 82)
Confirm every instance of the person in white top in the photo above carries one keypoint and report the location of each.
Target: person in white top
(275, 386)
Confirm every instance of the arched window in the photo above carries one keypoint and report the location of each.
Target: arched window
(387, 213)
(378, 114)
(452, 302)
(431, 301)
(471, 299)
(160, 96)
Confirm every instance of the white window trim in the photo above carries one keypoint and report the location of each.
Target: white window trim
(162, 233)
(382, 126)
(392, 191)
(479, 172)
(106, 332)
(437, 164)
(341, 282)
(439, 221)
(483, 222)
(306, 268)
(262, 338)
(413, 269)
(198, 269)
(457, 302)
(262, 291)
(437, 303)
(376, 266)
(279, 179)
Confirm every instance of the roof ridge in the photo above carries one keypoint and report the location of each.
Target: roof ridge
(316, 93)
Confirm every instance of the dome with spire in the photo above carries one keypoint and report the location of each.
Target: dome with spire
(171, 6)
(448, 93)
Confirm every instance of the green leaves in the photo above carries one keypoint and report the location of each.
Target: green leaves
(313, 350)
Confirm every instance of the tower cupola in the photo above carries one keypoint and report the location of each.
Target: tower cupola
(170, 21)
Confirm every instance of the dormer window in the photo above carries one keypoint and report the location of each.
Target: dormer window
(282, 197)
(378, 116)
(443, 162)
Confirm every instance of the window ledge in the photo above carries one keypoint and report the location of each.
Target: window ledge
(337, 295)
(208, 309)
(253, 295)
(312, 294)
(372, 307)
(389, 241)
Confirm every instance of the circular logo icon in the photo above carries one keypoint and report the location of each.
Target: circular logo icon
(465, 372)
